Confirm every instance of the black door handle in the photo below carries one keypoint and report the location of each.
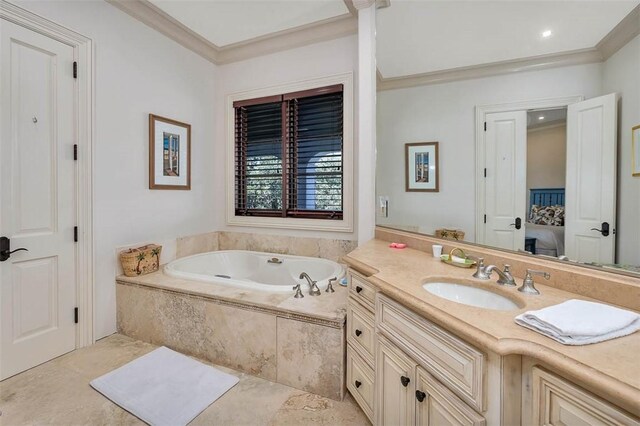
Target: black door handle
(420, 396)
(604, 229)
(358, 332)
(518, 223)
(5, 249)
(358, 289)
(358, 383)
(405, 381)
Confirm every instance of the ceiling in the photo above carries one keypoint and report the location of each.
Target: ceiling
(543, 118)
(422, 36)
(225, 22)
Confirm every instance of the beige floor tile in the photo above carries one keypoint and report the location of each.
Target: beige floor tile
(308, 409)
(58, 393)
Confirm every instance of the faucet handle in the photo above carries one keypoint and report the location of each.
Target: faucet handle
(298, 290)
(330, 285)
(481, 272)
(528, 285)
(507, 267)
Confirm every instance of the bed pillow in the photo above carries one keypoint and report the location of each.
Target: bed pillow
(547, 215)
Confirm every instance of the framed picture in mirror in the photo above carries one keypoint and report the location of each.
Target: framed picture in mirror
(169, 153)
(635, 150)
(421, 167)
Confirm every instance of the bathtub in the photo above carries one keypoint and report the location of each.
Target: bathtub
(254, 270)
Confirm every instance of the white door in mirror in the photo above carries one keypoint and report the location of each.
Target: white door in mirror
(506, 179)
(591, 180)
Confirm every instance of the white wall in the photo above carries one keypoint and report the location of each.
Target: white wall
(446, 113)
(139, 71)
(319, 60)
(622, 74)
(546, 157)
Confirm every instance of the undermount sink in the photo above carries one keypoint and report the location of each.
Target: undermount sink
(471, 296)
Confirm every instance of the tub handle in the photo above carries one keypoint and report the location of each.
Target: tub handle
(274, 260)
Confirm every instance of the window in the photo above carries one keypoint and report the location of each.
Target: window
(288, 155)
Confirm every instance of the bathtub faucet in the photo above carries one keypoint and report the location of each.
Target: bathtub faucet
(313, 285)
(274, 260)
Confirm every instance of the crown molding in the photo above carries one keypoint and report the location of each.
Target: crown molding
(576, 57)
(352, 9)
(621, 34)
(363, 4)
(154, 17)
(316, 32)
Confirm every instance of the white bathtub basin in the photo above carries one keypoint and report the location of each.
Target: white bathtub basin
(471, 296)
(254, 270)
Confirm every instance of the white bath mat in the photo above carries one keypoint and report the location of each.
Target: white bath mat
(164, 387)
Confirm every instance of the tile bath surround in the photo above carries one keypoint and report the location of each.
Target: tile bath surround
(269, 335)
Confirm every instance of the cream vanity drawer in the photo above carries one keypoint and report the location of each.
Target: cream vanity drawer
(361, 290)
(360, 381)
(559, 402)
(455, 363)
(361, 330)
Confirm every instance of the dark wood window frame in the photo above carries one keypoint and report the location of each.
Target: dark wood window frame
(283, 164)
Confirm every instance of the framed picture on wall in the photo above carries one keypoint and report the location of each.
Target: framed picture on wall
(635, 150)
(169, 153)
(421, 167)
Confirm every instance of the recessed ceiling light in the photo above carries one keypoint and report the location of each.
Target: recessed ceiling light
(546, 33)
(541, 117)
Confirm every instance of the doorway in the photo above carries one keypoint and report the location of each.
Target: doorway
(572, 216)
(46, 256)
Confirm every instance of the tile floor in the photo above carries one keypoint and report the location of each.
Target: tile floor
(58, 393)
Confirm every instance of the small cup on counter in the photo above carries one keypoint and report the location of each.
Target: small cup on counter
(437, 250)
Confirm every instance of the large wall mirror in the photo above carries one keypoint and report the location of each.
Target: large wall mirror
(532, 105)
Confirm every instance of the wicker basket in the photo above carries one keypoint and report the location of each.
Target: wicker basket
(450, 234)
(140, 261)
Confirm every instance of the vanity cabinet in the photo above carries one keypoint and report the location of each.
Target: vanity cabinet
(556, 401)
(408, 395)
(361, 341)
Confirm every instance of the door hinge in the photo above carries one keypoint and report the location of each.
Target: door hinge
(75, 69)
(485, 172)
(75, 234)
(75, 152)
(75, 315)
(485, 126)
(485, 218)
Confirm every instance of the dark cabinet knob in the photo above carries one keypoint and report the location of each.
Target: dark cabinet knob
(358, 383)
(358, 289)
(420, 396)
(358, 332)
(405, 381)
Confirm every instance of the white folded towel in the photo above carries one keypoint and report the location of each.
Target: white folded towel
(578, 322)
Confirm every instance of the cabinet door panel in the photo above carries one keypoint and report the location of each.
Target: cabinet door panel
(438, 406)
(396, 388)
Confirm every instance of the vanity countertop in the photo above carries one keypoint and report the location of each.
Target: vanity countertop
(610, 368)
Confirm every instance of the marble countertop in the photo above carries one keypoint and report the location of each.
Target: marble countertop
(328, 307)
(610, 368)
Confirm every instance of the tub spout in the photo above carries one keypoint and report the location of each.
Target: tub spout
(313, 285)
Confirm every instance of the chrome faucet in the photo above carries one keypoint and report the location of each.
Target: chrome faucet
(528, 286)
(481, 270)
(313, 285)
(505, 277)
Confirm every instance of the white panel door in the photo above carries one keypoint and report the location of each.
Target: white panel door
(37, 199)
(506, 179)
(591, 180)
